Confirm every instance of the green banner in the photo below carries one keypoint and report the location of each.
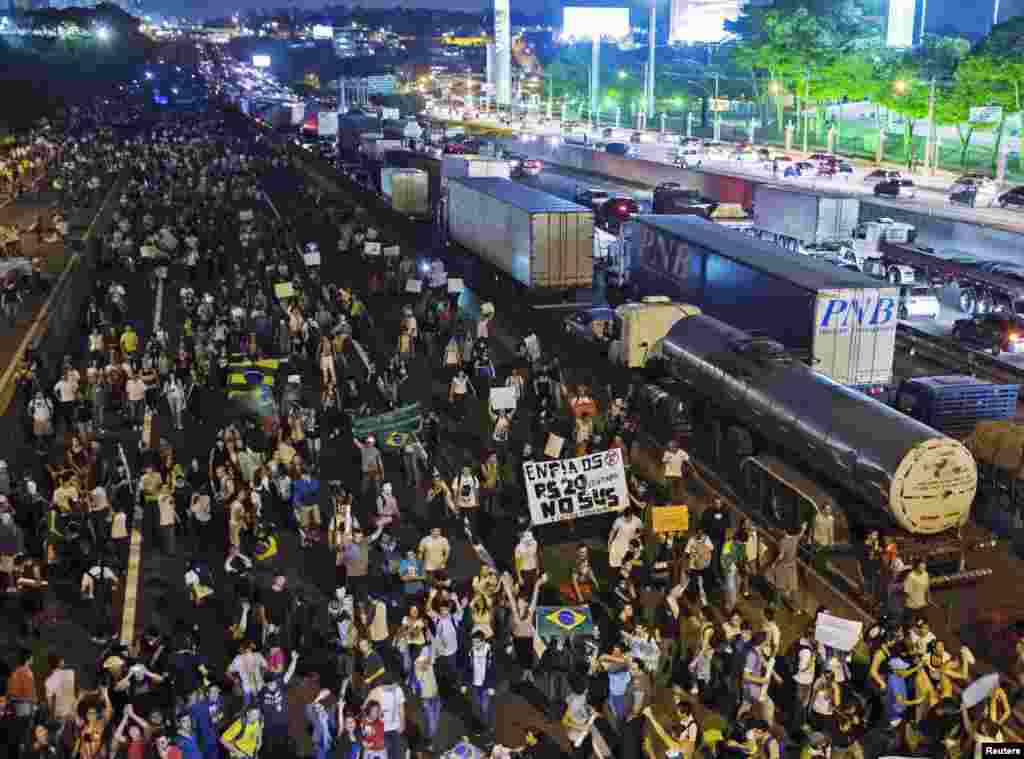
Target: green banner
(404, 420)
(563, 621)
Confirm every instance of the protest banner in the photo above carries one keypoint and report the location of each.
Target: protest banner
(671, 518)
(503, 398)
(836, 632)
(584, 486)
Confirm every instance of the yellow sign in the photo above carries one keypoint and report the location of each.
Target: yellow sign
(284, 290)
(671, 518)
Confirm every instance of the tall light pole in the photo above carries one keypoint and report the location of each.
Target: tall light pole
(649, 84)
(929, 147)
(595, 73)
(718, 113)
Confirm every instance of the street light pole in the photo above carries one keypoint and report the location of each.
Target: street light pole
(807, 97)
(718, 113)
(929, 147)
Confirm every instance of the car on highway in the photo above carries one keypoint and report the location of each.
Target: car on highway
(745, 155)
(626, 150)
(717, 151)
(800, 169)
(996, 332)
(896, 188)
(689, 155)
(531, 167)
(823, 157)
(1012, 198)
(973, 190)
(881, 175)
(670, 139)
(918, 302)
(591, 197)
(641, 138)
(615, 211)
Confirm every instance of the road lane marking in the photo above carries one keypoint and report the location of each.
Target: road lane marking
(131, 583)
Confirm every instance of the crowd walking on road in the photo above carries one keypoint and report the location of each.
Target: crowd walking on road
(337, 559)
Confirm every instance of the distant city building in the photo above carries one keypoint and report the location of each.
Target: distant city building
(381, 84)
(677, 20)
(356, 91)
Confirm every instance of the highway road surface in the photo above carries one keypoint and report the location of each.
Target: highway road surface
(932, 191)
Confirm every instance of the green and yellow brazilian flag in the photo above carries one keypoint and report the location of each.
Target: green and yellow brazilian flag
(252, 383)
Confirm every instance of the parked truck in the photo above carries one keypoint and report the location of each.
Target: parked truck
(471, 166)
(625, 335)
(841, 322)
(376, 146)
(327, 124)
(790, 218)
(955, 404)
(542, 241)
(408, 191)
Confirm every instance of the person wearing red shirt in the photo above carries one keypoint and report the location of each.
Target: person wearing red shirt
(372, 728)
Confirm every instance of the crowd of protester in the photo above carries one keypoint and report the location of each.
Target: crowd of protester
(419, 621)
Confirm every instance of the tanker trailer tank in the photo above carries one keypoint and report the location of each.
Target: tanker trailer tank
(793, 440)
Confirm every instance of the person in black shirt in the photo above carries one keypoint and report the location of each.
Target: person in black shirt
(39, 745)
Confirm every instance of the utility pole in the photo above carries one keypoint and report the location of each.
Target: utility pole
(718, 112)
(807, 97)
(929, 148)
(649, 83)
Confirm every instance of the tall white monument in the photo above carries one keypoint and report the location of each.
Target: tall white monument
(503, 52)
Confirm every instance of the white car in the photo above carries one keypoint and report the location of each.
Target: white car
(689, 156)
(717, 152)
(918, 302)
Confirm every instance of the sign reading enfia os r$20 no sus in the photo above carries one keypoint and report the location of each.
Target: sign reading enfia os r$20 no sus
(571, 488)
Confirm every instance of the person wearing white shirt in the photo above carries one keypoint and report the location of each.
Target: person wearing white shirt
(700, 551)
(805, 675)
(675, 464)
(446, 642)
(249, 667)
(434, 550)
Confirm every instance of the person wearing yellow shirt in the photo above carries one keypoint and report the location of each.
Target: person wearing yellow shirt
(129, 341)
(681, 741)
(244, 738)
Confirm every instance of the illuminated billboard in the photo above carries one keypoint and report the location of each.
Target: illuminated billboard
(586, 23)
(900, 29)
(694, 21)
(322, 32)
(261, 61)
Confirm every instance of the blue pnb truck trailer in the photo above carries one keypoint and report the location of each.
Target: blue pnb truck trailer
(841, 322)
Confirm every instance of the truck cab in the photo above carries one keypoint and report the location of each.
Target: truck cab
(954, 404)
(626, 334)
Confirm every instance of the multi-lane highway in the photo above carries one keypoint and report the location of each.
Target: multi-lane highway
(932, 191)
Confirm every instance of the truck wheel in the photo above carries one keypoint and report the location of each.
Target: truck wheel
(894, 276)
(902, 314)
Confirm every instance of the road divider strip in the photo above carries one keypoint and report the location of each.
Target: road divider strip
(131, 584)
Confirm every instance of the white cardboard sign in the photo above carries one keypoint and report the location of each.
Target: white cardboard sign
(455, 285)
(503, 398)
(836, 632)
(392, 251)
(311, 259)
(371, 248)
(572, 488)
(414, 286)
(245, 215)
